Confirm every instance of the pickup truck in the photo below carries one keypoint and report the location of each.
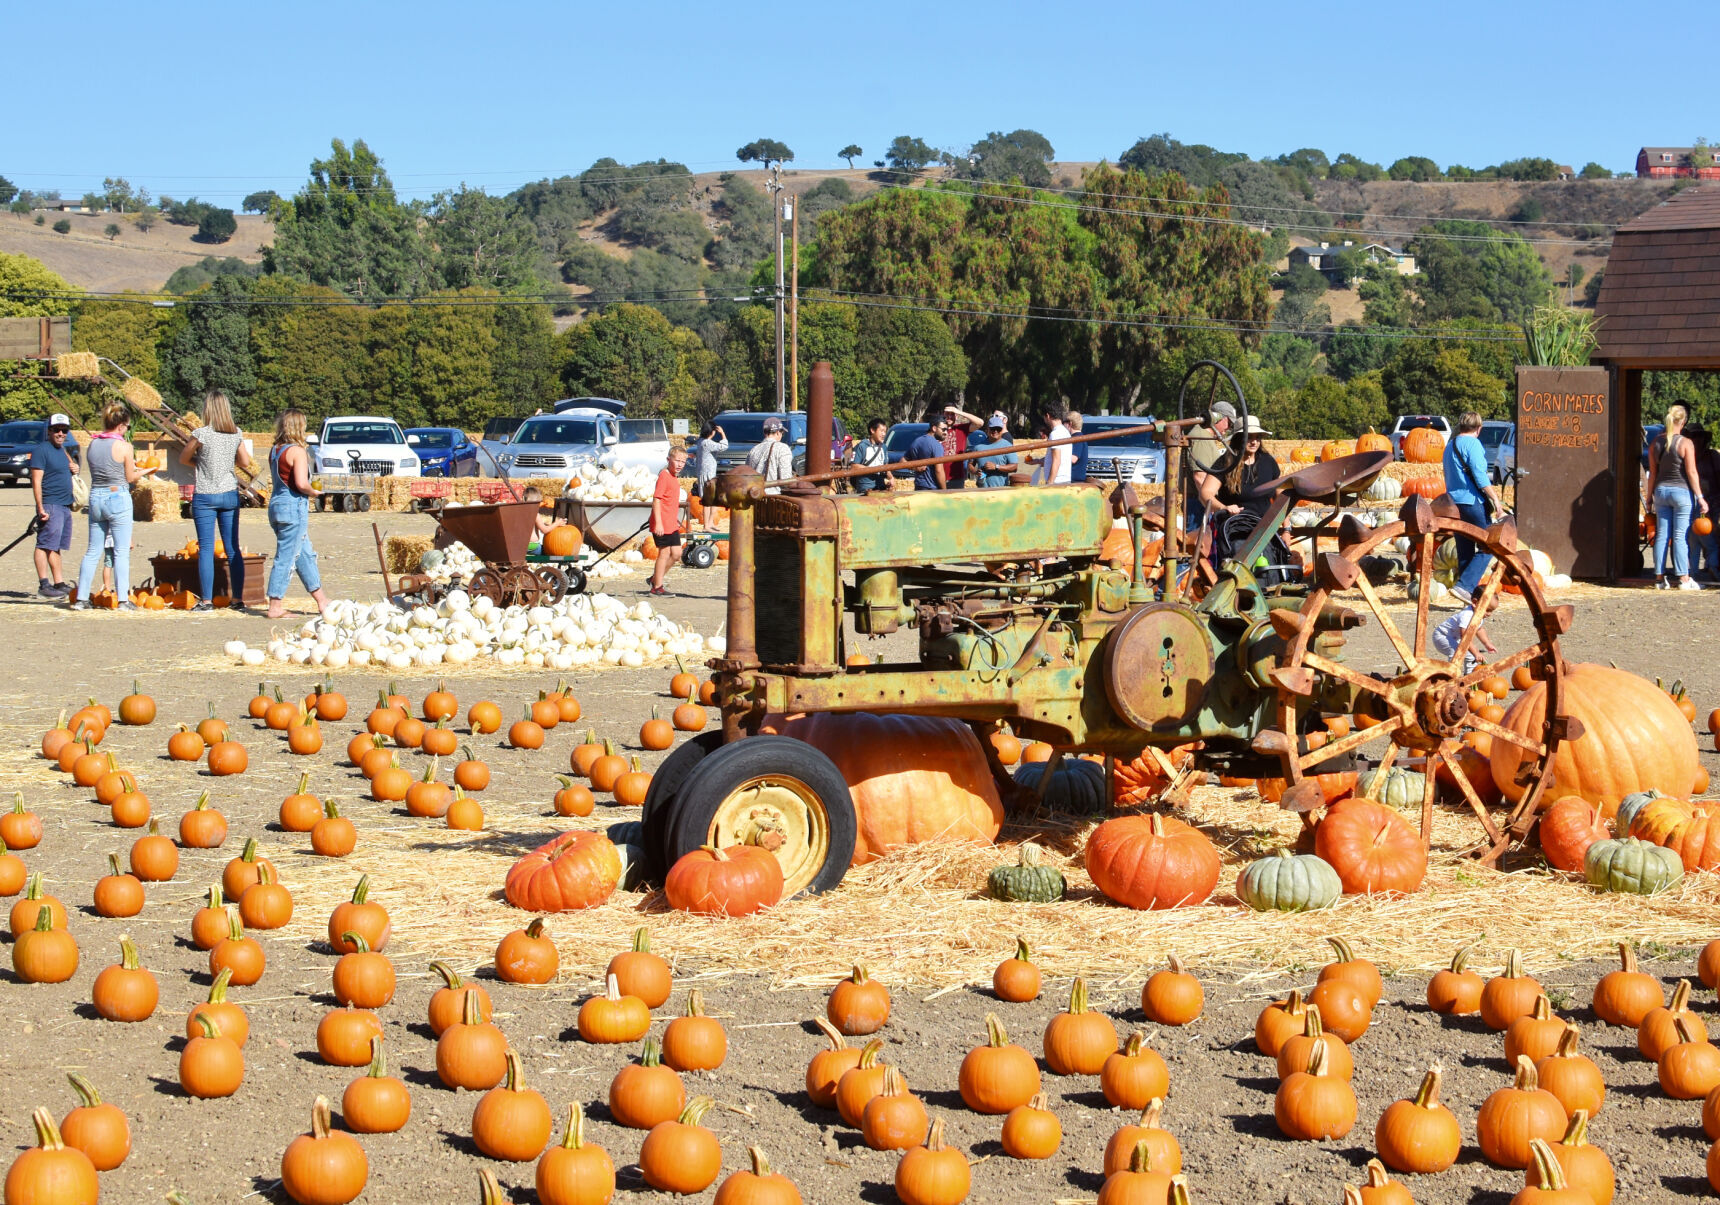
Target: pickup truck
(365, 445)
(556, 445)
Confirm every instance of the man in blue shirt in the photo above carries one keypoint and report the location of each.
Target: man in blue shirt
(926, 447)
(51, 483)
(993, 471)
(1471, 489)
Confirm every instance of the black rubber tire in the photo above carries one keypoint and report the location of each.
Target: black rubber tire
(364, 502)
(655, 815)
(699, 556)
(576, 579)
(340, 501)
(701, 792)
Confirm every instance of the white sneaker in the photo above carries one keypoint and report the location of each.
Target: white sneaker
(1689, 584)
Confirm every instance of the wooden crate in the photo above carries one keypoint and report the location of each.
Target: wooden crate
(181, 574)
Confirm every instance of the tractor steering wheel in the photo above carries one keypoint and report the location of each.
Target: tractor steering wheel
(1236, 439)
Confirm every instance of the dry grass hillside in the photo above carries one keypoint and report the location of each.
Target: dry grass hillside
(136, 260)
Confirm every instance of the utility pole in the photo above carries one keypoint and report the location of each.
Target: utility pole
(775, 187)
(794, 306)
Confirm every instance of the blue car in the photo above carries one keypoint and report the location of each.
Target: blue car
(445, 452)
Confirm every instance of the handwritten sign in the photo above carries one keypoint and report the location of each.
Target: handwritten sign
(1564, 451)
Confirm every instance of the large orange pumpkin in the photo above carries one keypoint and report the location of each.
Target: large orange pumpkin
(1424, 445)
(1118, 549)
(1333, 448)
(913, 778)
(1373, 441)
(1697, 841)
(1634, 738)
(1151, 862)
(576, 870)
(1568, 828)
(1424, 487)
(1371, 848)
(565, 540)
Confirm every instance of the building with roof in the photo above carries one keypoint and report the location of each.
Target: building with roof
(1324, 257)
(1676, 162)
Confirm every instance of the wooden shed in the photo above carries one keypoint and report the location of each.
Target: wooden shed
(1659, 308)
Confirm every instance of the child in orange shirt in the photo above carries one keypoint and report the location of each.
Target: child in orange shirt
(666, 518)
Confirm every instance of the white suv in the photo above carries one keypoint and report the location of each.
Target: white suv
(365, 445)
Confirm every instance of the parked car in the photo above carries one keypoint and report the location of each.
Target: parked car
(17, 440)
(1134, 458)
(445, 452)
(1650, 433)
(1410, 422)
(745, 429)
(365, 444)
(1499, 438)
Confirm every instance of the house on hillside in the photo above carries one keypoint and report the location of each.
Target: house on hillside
(1324, 258)
(1567, 172)
(1671, 162)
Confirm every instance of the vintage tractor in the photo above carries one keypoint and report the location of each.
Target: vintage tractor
(1021, 620)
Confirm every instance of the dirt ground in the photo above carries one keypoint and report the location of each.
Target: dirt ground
(138, 259)
(1220, 1103)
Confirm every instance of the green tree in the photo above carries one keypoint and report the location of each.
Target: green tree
(63, 226)
(746, 234)
(1594, 171)
(111, 230)
(1427, 376)
(1309, 161)
(310, 354)
(27, 290)
(627, 352)
(909, 154)
(126, 332)
(1415, 167)
(1348, 167)
(260, 201)
(346, 230)
(194, 276)
(764, 152)
(147, 217)
(9, 190)
(1592, 289)
(1355, 348)
(207, 345)
(526, 366)
(1023, 156)
(480, 241)
(117, 194)
(851, 152)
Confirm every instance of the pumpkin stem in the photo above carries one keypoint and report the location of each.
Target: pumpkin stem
(1626, 956)
(249, 853)
(1312, 1026)
(1175, 964)
(128, 956)
(535, 929)
(467, 750)
(47, 1133)
(1341, 948)
(155, 828)
(361, 892)
(1377, 1177)
(1680, 997)
(322, 1117)
(208, 1025)
(1460, 959)
(89, 1098)
(516, 1077)
(1022, 953)
(868, 1053)
(1078, 996)
(33, 890)
(760, 1165)
(489, 1192)
(1141, 1158)
(1040, 1103)
(218, 989)
(1352, 1195)
(265, 873)
(696, 1110)
(378, 1064)
(1542, 1009)
(113, 865)
(18, 808)
(1527, 1080)
(934, 1136)
(1132, 1048)
(215, 896)
(1577, 1133)
(235, 927)
(695, 1003)
(1513, 964)
(1686, 1031)
(450, 976)
(431, 770)
(641, 935)
(472, 1009)
(1151, 1114)
(1427, 1096)
(1179, 1191)
(1546, 1172)
(356, 940)
(1158, 824)
(330, 810)
(609, 745)
(837, 1041)
(1567, 1042)
(894, 1084)
(651, 1053)
(1027, 855)
(612, 989)
(574, 1138)
(995, 1037)
(44, 919)
(859, 975)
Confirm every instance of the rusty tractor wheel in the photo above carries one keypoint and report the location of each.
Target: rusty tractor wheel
(486, 583)
(521, 588)
(775, 792)
(554, 583)
(1418, 701)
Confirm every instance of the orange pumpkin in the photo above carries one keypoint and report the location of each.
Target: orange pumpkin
(575, 870)
(1371, 848)
(1152, 862)
(1424, 445)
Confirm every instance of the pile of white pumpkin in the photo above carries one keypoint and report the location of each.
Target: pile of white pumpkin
(443, 565)
(631, 483)
(582, 630)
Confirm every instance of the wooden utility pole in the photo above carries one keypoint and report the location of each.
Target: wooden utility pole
(794, 306)
(776, 208)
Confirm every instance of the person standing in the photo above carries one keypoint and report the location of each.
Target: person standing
(666, 519)
(872, 453)
(1705, 549)
(771, 458)
(711, 441)
(1674, 491)
(1058, 467)
(51, 472)
(959, 429)
(290, 497)
(993, 471)
(215, 450)
(1077, 452)
(928, 447)
(113, 469)
(1471, 490)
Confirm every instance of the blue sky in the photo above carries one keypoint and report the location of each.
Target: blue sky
(218, 101)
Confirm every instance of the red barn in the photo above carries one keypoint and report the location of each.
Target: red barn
(1669, 162)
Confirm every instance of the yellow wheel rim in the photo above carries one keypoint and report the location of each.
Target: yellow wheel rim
(783, 815)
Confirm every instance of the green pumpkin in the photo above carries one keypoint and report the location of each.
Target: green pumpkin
(629, 839)
(1630, 805)
(1287, 882)
(1399, 788)
(1027, 881)
(1077, 788)
(1632, 865)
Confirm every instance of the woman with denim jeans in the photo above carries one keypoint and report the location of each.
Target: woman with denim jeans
(1674, 489)
(113, 469)
(1471, 490)
(290, 514)
(216, 448)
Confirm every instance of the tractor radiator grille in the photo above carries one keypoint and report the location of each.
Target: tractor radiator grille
(777, 599)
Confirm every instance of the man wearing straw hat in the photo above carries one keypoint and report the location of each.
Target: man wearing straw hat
(51, 471)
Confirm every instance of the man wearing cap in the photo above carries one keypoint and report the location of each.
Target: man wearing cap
(1210, 457)
(51, 483)
(993, 471)
(770, 458)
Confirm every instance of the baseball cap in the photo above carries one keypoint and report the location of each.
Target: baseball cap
(59, 420)
(1224, 410)
(998, 419)
(773, 424)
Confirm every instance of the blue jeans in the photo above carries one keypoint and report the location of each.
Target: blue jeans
(290, 516)
(110, 513)
(1471, 561)
(1672, 504)
(1704, 550)
(208, 510)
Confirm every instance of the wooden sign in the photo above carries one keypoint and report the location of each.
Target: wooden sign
(1566, 448)
(35, 338)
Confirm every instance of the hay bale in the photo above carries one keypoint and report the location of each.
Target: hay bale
(154, 501)
(405, 554)
(142, 394)
(78, 365)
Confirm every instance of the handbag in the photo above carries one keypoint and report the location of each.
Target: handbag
(80, 485)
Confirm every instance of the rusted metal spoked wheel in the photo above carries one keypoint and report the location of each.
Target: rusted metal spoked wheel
(521, 588)
(486, 583)
(554, 583)
(1419, 705)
